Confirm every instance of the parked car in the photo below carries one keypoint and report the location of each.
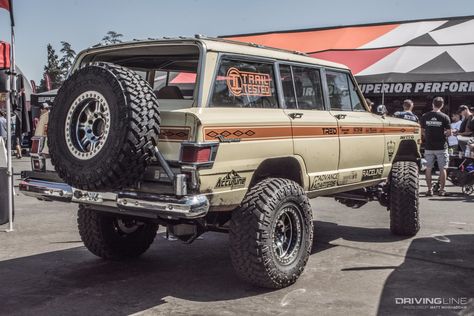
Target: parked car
(261, 131)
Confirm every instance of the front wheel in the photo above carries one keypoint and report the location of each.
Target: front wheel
(271, 234)
(110, 237)
(404, 207)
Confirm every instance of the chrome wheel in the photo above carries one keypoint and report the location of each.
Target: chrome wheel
(287, 237)
(87, 125)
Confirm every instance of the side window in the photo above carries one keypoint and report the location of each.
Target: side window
(308, 88)
(244, 84)
(287, 85)
(182, 84)
(355, 99)
(339, 94)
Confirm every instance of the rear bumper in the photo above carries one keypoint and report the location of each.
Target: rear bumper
(126, 203)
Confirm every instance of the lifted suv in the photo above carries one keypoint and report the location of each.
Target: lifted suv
(203, 134)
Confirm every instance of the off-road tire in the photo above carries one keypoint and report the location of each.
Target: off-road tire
(134, 128)
(101, 235)
(404, 208)
(251, 233)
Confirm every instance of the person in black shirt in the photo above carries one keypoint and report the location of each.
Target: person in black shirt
(467, 127)
(435, 127)
(407, 113)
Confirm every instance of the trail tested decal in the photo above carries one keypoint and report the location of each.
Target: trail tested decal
(232, 180)
(248, 83)
(390, 149)
(372, 173)
(324, 181)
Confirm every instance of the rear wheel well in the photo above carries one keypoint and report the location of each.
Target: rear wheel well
(285, 167)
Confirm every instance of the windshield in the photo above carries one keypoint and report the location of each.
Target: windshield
(170, 69)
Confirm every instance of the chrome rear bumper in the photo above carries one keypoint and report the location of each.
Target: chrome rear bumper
(129, 203)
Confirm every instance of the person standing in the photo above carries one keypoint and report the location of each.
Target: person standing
(467, 127)
(455, 126)
(3, 126)
(435, 127)
(407, 113)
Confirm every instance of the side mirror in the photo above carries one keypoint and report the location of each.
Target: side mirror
(382, 109)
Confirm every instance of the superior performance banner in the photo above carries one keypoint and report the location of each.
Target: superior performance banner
(410, 88)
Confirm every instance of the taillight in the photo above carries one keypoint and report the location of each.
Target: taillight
(37, 144)
(195, 154)
(198, 153)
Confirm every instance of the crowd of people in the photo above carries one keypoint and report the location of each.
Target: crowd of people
(442, 137)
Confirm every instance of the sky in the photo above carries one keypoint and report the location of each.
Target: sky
(83, 23)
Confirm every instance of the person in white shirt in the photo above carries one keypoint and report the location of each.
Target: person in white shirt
(455, 126)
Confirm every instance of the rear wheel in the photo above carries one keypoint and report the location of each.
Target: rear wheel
(271, 234)
(110, 237)
(404, 207)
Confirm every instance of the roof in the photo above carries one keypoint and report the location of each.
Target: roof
(226, 46)
(408, 51)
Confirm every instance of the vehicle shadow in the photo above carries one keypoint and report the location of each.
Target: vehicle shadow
(440, 268)
(74, 282)
(326, 232)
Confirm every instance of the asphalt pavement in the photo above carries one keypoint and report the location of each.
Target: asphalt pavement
(356, 267)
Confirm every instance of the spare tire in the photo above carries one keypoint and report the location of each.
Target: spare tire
(103, 123)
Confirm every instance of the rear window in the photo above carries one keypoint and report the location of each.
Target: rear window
(244, 84)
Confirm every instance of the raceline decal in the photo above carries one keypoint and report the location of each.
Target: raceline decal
(169, 133)
(372, 173)
(248, 83)
(232, 180)
(283, 132)
(390, 149)
(323, 181)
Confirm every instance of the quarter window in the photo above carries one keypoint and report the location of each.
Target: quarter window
(244, 84)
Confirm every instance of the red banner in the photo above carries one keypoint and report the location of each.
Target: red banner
(5, 4)
(4, 55)
(47, 81)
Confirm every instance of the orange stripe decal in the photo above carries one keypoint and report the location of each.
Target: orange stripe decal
(169, 133)
(281, 132)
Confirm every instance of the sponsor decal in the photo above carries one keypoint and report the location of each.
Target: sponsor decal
(349, 177)
(329, 131)
(248, 83)
(323, 181)
(372, 173)
(390, 149)
(407, 137)
(417, 87)
(232, 180)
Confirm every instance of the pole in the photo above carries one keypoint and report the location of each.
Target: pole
(11, 88)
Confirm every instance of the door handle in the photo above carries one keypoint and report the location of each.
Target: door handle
(295, 115)
(340, 116)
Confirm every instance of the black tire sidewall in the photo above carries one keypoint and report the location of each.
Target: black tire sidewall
(106, 84)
